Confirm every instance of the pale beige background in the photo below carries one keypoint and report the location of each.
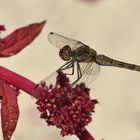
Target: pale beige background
(112, 27)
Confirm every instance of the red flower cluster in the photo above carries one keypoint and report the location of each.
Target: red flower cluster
(68, 108)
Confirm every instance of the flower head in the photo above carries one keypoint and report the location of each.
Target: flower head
(64, 106)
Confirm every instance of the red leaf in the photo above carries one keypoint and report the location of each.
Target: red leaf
(19, 39)
(9, 110)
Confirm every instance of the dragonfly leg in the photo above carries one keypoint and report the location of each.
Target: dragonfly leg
(66, 66)
(79, 71)
(72, 66)
(79, 74)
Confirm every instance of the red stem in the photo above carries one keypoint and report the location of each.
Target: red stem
(18, 81)
(85, 136)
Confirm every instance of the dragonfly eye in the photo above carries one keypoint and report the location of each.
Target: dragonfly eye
(65, 53)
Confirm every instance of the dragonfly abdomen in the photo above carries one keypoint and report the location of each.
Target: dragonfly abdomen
(106, 61)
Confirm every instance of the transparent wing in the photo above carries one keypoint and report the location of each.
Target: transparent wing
(90, 72)
(67, 69)
(51, 79)
(60, 41)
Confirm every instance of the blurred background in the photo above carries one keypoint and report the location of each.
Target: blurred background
(111, 27)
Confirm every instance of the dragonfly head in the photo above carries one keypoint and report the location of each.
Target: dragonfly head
(65, 53)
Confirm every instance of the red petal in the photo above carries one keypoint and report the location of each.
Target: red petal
(20, 38)
(9, 110)
(86, 136)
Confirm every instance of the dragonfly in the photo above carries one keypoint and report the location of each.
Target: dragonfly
(82, 62)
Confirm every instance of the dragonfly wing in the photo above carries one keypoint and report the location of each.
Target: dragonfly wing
(90, 72)
(51, 79)
(60, 41)
(66, 68)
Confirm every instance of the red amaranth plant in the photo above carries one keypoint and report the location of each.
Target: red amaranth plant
(55, 102)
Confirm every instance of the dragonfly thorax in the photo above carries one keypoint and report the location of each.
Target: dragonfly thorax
(84, 54)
